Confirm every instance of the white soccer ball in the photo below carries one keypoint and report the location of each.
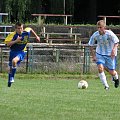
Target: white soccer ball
(82, 84)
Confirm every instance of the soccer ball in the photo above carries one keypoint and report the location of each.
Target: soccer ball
(82, 84)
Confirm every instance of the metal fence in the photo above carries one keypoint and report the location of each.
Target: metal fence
(42, 58)
(58, 59)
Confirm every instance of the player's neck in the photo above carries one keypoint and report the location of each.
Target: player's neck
(101, 32)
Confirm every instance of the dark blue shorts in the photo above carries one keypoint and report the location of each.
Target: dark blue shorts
(19, 54)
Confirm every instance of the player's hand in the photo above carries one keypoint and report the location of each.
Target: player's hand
(15, 41)
(113, 54)
(94, 58)
(38, 38)
(18, 39)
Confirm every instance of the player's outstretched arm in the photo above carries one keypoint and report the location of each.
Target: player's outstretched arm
(37, 37)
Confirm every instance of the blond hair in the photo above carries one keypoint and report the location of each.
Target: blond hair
(101, 23)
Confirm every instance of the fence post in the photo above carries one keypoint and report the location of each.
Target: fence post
(30, 58)
(86, 64)
(27, 59)
(44, 31)
(57, 55)
(1, 56)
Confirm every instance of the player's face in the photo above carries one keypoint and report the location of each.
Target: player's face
(19, 29)
(101, 29)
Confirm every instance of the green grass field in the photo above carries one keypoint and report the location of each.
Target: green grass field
(56, 97)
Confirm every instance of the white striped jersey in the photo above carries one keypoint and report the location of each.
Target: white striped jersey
(105, 42)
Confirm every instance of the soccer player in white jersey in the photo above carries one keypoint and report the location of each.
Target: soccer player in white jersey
(106, 52)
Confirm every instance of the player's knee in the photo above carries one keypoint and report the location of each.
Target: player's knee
(14, 62)
(112, 72)
(100, 69)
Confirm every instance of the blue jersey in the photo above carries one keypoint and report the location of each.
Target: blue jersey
(105, 42)
(21, 46)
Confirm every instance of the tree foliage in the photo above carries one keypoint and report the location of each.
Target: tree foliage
(21, 10)
(18, 9)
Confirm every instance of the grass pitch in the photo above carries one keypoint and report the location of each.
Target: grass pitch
(56, 97)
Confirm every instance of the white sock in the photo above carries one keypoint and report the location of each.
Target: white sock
(103, 79)
(116, 76)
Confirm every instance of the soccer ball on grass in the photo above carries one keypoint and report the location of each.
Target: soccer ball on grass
(82, 84)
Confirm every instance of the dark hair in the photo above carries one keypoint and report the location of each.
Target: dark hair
(18, 24)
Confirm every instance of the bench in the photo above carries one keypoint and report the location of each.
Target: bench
(49, 37)
(4, 31)
(105, 17)
(3, 35)
(5, 27)
(51, 15)
(70, 29)
(50, 40)
(84, 40)
(1, 16)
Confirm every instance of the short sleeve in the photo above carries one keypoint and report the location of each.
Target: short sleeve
(9, 37)
(28, 29)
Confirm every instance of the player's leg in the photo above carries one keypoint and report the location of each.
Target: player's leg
(16, 61)
(102, 76)
(106, 69)
(115, 77)
(12, 70)
(9, 76)
(14, 67)
(100, 64)
(111, 64)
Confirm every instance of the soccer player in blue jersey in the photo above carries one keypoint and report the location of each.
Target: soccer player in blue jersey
(17, 42)
(106, 52)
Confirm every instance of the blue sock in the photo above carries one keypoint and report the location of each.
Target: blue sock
(13, 71)
(9, 77)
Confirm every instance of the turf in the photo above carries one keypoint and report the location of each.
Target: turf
(56, 97)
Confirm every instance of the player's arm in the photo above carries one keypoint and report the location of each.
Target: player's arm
(114, 50)
(28, 29)
(37, 37)
(92, 53)
(115, 41)
(91, 44)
